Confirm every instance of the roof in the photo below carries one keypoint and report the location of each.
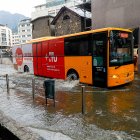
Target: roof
(77, 11)
(2, 25)
(48, 16)
(25, 19)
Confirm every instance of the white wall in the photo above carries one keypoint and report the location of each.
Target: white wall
(25, 30)
(5, 36)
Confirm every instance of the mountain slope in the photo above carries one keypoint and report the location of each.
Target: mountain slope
(11, 20)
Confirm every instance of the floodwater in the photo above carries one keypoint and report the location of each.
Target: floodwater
(110, 114)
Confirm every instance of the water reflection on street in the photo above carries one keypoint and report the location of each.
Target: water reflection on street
(110, 109)
(110, 113)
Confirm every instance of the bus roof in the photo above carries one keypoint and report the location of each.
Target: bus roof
(41, 39)
(76, 34)
(37, 40)
(95, 31)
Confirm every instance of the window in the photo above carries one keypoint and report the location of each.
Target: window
(3, 35)
(120, 48)
(66, 17)
(28, 35)
(78, 45)
(3, 39)
(23, 30)
(28, 24)
(23, 41)
(3, 30)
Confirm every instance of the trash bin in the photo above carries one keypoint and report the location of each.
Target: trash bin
(49, 88)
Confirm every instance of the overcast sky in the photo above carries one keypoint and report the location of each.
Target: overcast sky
(24, 7)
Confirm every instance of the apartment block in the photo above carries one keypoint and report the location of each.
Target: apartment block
(25, 30)
(15, 39)
(5, 37)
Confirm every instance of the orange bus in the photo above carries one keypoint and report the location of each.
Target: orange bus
(101, 57)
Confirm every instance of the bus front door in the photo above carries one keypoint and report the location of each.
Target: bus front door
(100, 59)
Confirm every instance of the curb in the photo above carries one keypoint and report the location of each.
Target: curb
(18, 130)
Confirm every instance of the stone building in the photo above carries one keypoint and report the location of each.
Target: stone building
(41, 27)
(124, 13)
(71, 20)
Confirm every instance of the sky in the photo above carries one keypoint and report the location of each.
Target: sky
(24, 7)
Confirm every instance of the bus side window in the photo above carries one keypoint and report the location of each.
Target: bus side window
(77, 46)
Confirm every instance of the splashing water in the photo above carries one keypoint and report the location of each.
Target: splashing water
(66, 85)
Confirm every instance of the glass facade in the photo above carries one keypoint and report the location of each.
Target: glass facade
(54, 3)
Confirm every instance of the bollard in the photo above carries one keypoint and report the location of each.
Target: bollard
(7, 82)
(33, 88)
(83, 100)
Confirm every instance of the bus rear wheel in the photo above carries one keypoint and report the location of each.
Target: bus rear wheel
(26, 68)
(72, 76)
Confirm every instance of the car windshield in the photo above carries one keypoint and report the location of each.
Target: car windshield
(121, 48)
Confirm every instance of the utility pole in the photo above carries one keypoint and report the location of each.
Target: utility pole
(84, 15)
(0, 54)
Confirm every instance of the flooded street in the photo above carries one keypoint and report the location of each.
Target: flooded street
(110, 114)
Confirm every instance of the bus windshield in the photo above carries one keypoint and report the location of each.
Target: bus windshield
(121, 48)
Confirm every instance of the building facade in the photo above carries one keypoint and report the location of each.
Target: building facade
(5, 37)
(107, 13)
(15, 39)
(115, 13)
(25, 30)
(71, 20)
(42, 27)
